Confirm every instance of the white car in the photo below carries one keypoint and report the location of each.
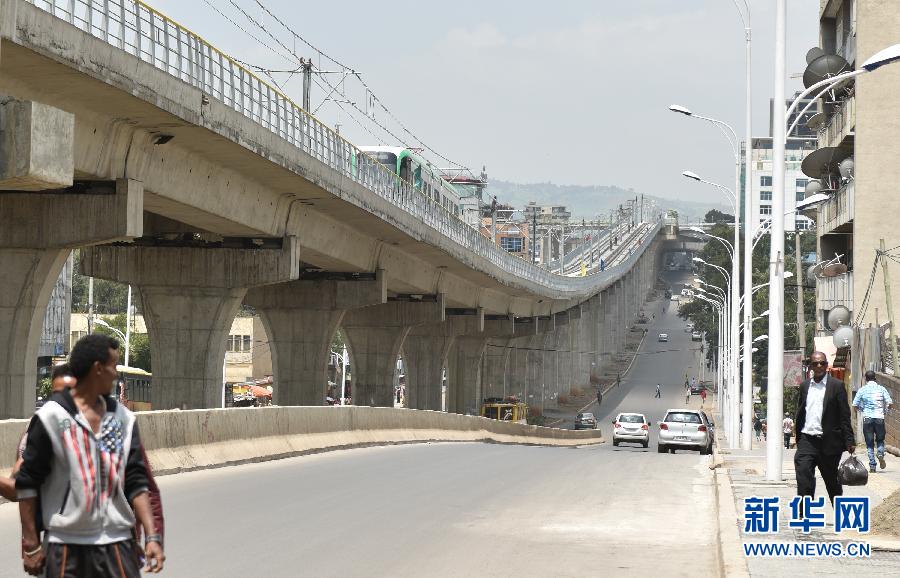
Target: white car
(674, 297)
(685, 429)
(663, 337)
(631, 428)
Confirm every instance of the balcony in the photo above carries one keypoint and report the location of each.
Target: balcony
(840, 125)
(834, 291)
(836, 211)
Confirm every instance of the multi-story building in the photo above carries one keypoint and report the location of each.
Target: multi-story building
(861, 123)
(795, 181)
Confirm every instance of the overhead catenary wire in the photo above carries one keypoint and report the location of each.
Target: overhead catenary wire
(300, 60)
(358, 76)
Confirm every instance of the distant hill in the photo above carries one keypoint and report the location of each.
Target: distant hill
(589, 201)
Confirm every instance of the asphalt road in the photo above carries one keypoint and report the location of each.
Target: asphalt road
(453, 509)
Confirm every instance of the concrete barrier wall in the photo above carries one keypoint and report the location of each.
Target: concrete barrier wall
(179, 441)
(891, 419)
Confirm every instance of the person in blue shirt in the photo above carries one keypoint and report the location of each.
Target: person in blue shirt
(873, 400)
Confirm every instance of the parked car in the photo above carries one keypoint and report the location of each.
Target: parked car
(696, 336)
(697, 388)
(674, 297)
(689, 327)
(663, 337)
(712, 428)
(686, 429)
(631, 428)
(585, 421)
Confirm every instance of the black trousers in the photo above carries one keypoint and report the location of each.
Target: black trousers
(809, 456)
(117, 560)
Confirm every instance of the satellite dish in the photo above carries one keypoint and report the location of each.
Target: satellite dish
(845, 167)
(834, 270)
(843, 336)
(813, 187)
(816, 121)
(814, 53)
(838, 316)
(812, 274)
(822, 162)
(825, 66)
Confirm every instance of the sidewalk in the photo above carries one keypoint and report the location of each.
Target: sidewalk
(741, 474)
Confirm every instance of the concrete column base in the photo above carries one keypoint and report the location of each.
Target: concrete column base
(464, 391)
(27, 282)
(425, 357)
(188, 328)
(374, 351)
(300, 343)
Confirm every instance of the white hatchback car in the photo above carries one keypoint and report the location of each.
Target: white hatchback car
(632, 428)
(685, 429)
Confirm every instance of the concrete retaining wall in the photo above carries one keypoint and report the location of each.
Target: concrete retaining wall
(178, 441)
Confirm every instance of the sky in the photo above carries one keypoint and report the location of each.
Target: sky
(576, 94)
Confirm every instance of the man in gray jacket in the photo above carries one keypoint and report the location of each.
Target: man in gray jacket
(83, 456)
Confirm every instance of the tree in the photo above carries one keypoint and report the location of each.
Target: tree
(109, 297)
(717, 216)
(139, 352)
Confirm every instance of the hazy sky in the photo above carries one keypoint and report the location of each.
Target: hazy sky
(574, 94)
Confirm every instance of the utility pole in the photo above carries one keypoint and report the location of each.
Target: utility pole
(890, 307)
(494, 220)
(534, 238)
(306, 66)
(801, 313)
(90, 311)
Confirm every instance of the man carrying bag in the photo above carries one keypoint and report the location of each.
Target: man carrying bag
(823, 430)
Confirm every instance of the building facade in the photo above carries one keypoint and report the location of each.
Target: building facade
(861, 124)
(795, 181)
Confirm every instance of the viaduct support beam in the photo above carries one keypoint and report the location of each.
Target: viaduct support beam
(375, 337)
(39, 230)
(190, 297)
(465, 392)
(496, 364)
(301, 318)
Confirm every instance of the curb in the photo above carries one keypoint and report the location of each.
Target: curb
(729, 553)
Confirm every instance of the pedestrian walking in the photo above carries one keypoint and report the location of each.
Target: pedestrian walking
(658, 393)
(757, 427)
(687, 394)
(702, 397)
(599, 397)
(618, 379)
(765, 430)
(873, 400)
(787, 429)
(823, 430)
(88, 522)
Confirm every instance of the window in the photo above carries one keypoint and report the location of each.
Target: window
(765, 195)
(511, 244)
(800, 195)
(765, 210)
(801, 225)
(765, 181)
(801, 183)
(238, 343)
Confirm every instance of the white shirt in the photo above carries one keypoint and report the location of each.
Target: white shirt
(815, 402)
(787, 425)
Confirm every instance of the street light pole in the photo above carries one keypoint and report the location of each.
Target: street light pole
(747, 375)
(775, 393)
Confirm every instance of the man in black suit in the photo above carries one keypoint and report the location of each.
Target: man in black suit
(823, 430)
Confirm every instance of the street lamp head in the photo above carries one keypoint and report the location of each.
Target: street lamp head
(788, 274)
(680, 109)
(697, 260)
(880, 58)
(691, 175)
(764, 313)
(761, 338)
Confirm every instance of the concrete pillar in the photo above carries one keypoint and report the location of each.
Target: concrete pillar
(190, 297)
(301, 318)
(465, 391)
(496, 363)
(425, 354)
(37, 233)
(375, 337)
(425, 357)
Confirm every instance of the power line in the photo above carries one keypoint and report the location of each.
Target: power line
(358, 76)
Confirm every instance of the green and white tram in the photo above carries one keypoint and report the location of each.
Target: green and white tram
(414, 169)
